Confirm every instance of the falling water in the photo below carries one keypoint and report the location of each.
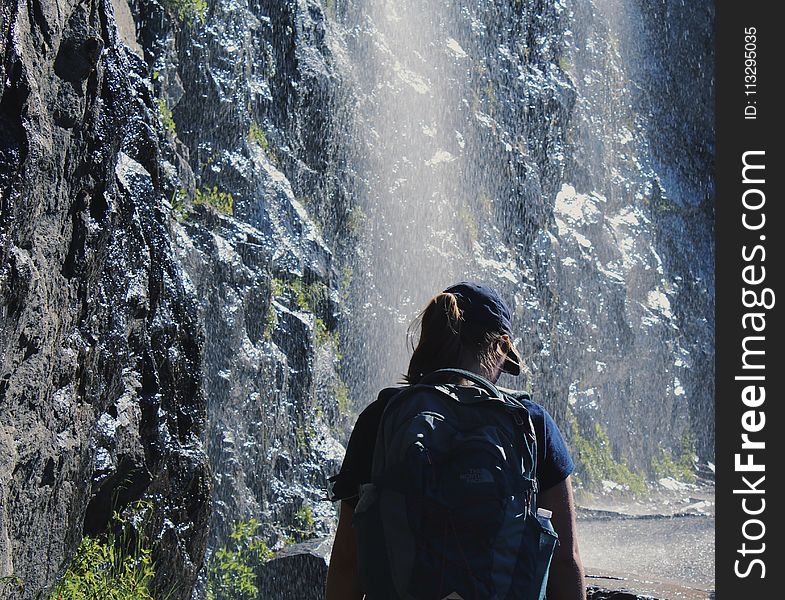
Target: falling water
(532, 147)
(406, 88)
(261, 195)
(445, 150)
(524, 146)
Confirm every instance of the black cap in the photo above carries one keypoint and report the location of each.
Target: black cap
(485, 311)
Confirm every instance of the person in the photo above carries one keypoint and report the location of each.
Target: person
(467, 326)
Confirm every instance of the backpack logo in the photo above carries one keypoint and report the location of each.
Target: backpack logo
(476, 476)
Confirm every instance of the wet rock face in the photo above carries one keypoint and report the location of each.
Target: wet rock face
(298, 572)
(100, 397)
(630, 245)
(248, 92)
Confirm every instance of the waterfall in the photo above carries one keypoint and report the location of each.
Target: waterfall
(524, 145)
(444, 158)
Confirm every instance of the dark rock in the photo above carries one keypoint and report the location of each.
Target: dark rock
(597, 593)
(298, 572)
(101, 400)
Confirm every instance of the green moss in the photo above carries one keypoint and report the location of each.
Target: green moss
(270, 322)
(256, 134)
(596, 462)
(303, 434)
(325, 337)
(322, 336)
(188, 11)
(165, 116)
(681, 465)
(231, 568)
(305, 296)
(347, 273)
(219, 200)
(341, 391)
(355, 220)
(277, 287)
(115, 567)
(213, 198)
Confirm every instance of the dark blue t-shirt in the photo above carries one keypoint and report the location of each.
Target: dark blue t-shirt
(554, 462)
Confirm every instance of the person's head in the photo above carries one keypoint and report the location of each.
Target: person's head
(466, 326)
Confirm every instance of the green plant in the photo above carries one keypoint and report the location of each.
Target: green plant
(596, 461)
(303, 434)
(230, 569)
(322, 335)
(325, 337)
(565, 64)
(347, 273)
(270, 322)
(214, 198)
(166, 117)
(256, 133)
(303, 295)
(304, 524)
(217, 199)
(341, 392)
(112, 566)
(306, 296)
(681, 465)
(179, 204)
(355, 220)
(188, 11)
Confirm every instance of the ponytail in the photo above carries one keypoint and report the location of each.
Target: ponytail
(446, 340)
(439, 342)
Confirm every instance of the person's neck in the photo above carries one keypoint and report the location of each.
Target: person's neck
(476, 368)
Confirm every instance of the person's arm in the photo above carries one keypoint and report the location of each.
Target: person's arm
(566, 580)
(342, 580)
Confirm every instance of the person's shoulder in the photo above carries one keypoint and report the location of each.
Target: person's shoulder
(375, 408)
(525, 398)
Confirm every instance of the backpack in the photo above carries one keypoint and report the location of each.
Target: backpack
(450, 511)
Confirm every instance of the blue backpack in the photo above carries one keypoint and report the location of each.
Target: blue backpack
(450, 512)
